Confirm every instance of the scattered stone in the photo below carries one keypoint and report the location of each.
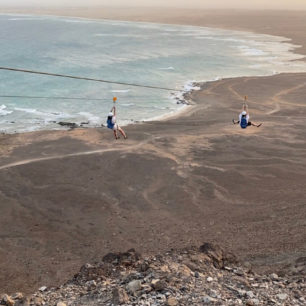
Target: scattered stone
(179, 277)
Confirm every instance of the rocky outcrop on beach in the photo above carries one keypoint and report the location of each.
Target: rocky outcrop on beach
(72, 125)
(194, 276)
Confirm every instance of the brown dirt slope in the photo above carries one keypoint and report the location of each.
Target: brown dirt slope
(68, 197)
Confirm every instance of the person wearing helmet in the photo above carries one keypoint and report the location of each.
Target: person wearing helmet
(111, 124)
(244, 118)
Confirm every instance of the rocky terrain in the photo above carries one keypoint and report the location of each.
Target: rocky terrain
(193, 276)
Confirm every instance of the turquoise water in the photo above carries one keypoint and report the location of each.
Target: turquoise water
(142, 53)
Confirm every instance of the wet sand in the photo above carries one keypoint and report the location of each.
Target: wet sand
(69, 197)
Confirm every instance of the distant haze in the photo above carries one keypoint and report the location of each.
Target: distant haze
(219, 4)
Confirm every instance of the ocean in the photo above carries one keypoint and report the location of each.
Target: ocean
(171, 56)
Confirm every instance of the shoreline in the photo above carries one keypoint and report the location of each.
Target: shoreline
(174, 114)
(68, 196)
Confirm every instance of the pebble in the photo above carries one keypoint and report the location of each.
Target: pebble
(274, 276)
(282, 296)
(252, 302)
(213, 293)
(134, 286)
(172, 301)
(208, 300)
(250, 294)
(42, 289)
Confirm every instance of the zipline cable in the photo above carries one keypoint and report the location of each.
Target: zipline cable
(54, 98)
(85, 78)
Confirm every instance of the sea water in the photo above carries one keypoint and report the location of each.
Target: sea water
(159, 55)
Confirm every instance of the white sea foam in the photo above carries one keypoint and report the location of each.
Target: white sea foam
(4, 111)
(121, 90)
(190, 85)
(127, 104)
(46, 116)
(79, 20)
(27, 110)
(179, 98)
(24, 19)
(251, 51)
(167, 68)
(120, 35)
(91, 118)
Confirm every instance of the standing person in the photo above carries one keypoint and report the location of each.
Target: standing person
(244, 117)
(111, 122)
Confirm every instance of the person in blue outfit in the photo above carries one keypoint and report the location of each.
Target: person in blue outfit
(244, 118)
(113, 125)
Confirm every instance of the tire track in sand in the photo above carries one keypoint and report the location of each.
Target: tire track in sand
(62, 156)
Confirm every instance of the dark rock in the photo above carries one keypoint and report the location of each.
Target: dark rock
(191, 265)
(130, 277)
(17, 296)
(88, 273)
(217, 255)
(120, 296)
(7, 300)
(71, 125)
(128, 258)
(144, 267)
(214, 252)
(159, 285)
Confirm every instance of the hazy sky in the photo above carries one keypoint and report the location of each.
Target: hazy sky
(255, 4)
